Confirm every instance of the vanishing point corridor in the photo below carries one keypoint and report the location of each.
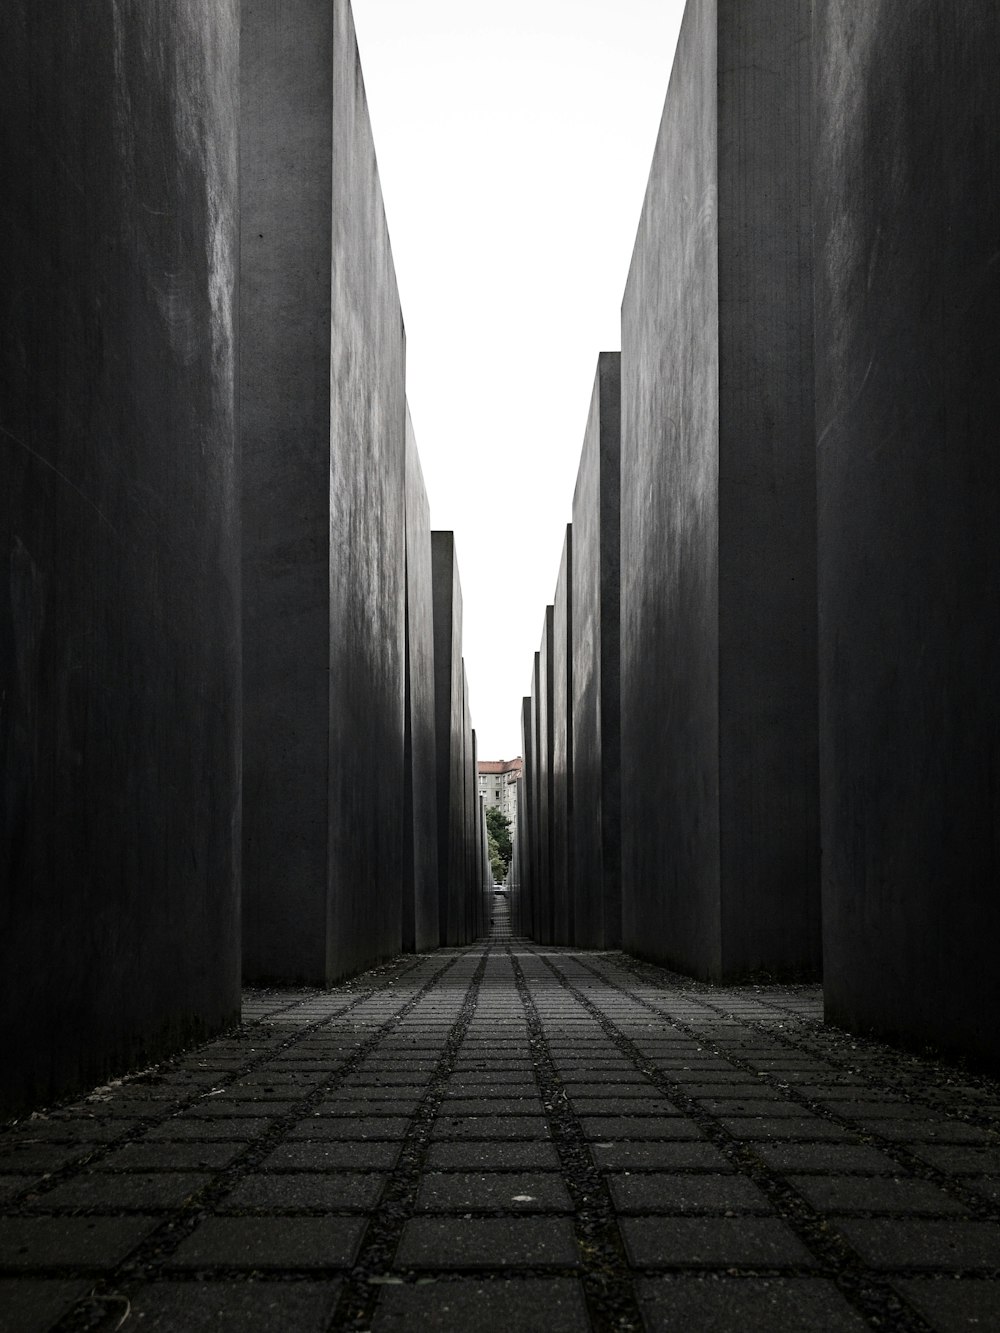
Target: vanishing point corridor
(502, 1136)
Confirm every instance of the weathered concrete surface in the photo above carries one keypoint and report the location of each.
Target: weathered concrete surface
(119, 539)
(718, 612)
(562, 749)
(449, 711)
(420, 855)
(545, 918)
(596, 710)
(908, 399)
(536, 838)
(323, 438)
(460, 907)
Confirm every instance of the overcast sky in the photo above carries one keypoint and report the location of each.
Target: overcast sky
(514, 142)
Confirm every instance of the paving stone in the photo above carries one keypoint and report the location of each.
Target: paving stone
(147, 1156)
(609, 1106)
(462, 1106)
(37, 1158)
(344, 1129)
(74, 1242)
(182, 1131)
(306, 1191)
(545, 1305)
(720, 1242)
(806, 1129)
(494, 1128)
(487, 1242)
(928, 1131)
(658, 1128)
(109, 1191)
(324, 1156)
(33, 1305)
(235, 1307)
(656, 1156)
(745, 1305)
(513, 1192)
(826, 1157)
(271, 1243)
(754, 1105)
(957, 1160)
(874, 1194)
(486, 1155)
(661, 1193)
(905, 1243)
(954, 1306)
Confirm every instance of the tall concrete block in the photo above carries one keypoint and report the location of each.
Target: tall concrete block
(420, 859)
(596, 875)
(563, 903)
(718, 591)
(323, 422)
(449, 712)
(462, 901)
(526, 821)
(907, 205)
(120, 723)
(545, 923)
(536, 808)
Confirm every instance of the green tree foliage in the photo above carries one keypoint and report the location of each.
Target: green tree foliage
(498, 833)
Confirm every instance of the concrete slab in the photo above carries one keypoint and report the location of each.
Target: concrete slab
(449, 710)
(563, 832)
(907, 345)
(323, 428)
(718, 610)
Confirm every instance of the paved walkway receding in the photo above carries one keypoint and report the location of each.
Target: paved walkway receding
(515, 1138)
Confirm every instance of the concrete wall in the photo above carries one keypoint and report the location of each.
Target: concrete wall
(908, 399)
(420, 859)
(119, 529)
(596, 877)
(323, 434)
(563, 903)
(718, 611)
(534, 922)
(449, 710)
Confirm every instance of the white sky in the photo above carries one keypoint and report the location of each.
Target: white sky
(514, 141)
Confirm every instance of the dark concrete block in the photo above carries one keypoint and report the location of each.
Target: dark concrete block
(420, 854)
(907, 348)
(563, 867)
(596, 709)
(323, 424)
(526, 822)
(119, 530)
(449, 707)
(718, 605)
(545, 916)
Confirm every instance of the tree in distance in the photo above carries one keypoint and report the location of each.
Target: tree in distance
(498, 836)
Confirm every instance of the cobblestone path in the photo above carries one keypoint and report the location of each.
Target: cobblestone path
(506, 1137)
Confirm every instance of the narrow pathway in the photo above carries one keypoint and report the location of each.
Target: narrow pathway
(508, 1137)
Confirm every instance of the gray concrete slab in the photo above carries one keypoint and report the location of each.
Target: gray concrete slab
(907, 344)
(119, 529)
(596, 705)
(323, 428)
(545, 905)
(718, 604)
(563, 829)
(420, 929)
(449, 721)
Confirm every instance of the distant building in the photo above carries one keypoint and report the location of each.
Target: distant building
(498, 785)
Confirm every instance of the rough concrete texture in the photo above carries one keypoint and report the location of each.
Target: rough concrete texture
(718, 610)
(323, 414)
(449, 709)
(119, 528)
(536, 839)
(563, 860)
(420, 854)
(596, 710)
(545, 916)
(501, 1138)
(462, 903)
(908, 399)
